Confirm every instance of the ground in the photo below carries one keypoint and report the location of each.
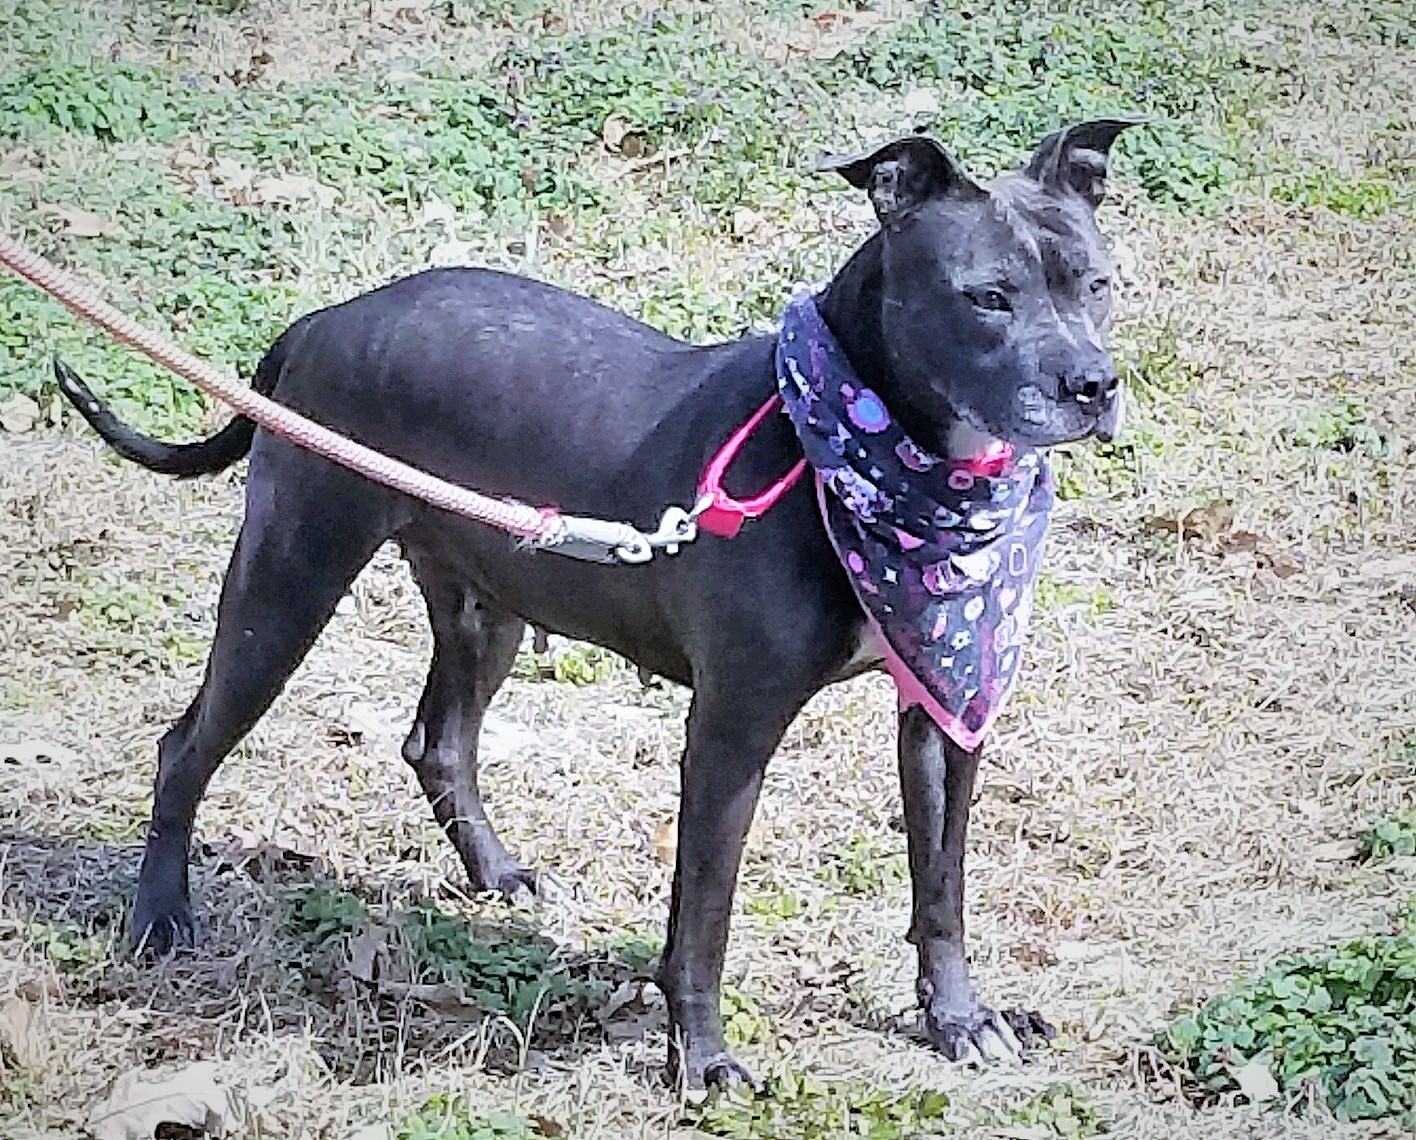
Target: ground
(1221, 694)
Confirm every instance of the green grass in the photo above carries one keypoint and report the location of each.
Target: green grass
(444, 1119)
(1339, 1026)
(799, 1106)
(518, 140)
(1390, 837)
(510, 971)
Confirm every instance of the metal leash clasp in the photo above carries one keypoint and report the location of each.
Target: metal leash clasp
(596, 540)
(676, 527)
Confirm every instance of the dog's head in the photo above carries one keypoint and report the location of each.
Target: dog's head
(996, 296)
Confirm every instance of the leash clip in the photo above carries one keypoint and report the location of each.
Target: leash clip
(677, 527)
(598, 540)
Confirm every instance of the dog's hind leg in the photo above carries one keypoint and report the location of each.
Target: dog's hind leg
(474, 646)
(309, 529)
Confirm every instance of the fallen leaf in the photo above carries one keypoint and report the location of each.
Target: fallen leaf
(745, 221)
(435, 211)
(1402, 566)
(665, 841)
(621, 138)
(184, 159)
(1338, 851)
(438, 995)
(22, 1036)
(18, 413)
(291, 190)
(35, 752)
(372, 1132)
(921, 103)
(453, 252)
(249, 850)
(81, 223)
(624, 993)
(141, 1102)
(364, 952)
(1256, 1082)
(1207, 523)
(832, 32)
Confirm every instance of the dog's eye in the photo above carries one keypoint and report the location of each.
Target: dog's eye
(991, 300)
(1100, 286)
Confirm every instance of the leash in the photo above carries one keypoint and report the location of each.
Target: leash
(589, 539)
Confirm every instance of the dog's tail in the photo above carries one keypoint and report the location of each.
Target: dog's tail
(185, 460)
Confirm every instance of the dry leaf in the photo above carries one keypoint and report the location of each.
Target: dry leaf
(81, 223)
(372, 1132)
(18, 413)
(665, 841)
(143, 1101)
(833, 32)
(1403, 566)
(35, 752)
(365, 951)
(22, 1036)
(1338, 851)
(1207, 523)
(922, 103)
(745, 221)
(291, 190)
(1256, 1082)
(251, 852)
(438, 995)
(620, 137)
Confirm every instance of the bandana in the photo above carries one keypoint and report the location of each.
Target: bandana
(942, 554)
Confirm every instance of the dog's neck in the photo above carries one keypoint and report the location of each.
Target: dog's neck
(852, 307)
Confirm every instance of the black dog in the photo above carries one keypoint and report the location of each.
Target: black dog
(976, 312)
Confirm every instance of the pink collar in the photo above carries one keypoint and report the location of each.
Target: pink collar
(718, 512)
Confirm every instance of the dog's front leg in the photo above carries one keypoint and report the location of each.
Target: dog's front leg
(937, 780)
(729, 744)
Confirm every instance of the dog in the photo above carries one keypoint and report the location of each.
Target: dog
(976, 313)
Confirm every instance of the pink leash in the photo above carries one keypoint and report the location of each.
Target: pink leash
(597, 540)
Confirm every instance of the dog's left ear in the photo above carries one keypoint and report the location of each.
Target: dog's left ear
(1073, 160)
(903, 174)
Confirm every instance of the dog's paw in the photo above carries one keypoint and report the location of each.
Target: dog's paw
(1029, 1027)
(515, 883)
(984, 1036)
(160, 929)
(715, 1070)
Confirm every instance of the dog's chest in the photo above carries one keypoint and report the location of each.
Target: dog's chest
(866, 656)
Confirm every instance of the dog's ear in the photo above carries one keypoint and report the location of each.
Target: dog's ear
(902, 174)
(1073, 159)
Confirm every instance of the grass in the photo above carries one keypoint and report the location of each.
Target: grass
(1207, 710)
(1339, 1030)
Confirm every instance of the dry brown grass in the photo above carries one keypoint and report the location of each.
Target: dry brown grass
(1205, 725)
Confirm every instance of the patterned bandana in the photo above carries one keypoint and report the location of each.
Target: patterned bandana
(942, 554)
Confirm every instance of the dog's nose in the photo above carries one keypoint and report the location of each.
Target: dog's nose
(1090, 382)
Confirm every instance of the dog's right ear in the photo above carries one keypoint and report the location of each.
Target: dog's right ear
(903, 174)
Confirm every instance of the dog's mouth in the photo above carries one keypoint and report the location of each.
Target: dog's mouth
(1038, 419)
